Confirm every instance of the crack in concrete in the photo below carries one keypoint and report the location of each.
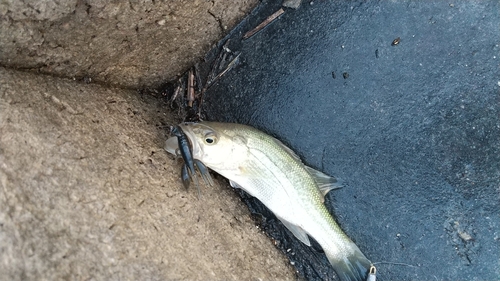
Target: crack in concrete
(219, 21)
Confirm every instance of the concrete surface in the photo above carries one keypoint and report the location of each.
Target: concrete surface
(88, 193)
(413, 128)
(131, 44)
(86, 190)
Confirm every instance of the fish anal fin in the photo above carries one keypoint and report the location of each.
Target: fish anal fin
(297, 231)
(325, 182)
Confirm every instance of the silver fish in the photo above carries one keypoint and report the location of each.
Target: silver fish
(268, 170)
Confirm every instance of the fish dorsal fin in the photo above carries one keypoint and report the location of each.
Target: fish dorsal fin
(297, 231)
(325, 182)
(290, 151)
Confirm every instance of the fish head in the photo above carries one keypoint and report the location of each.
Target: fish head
(217, 145)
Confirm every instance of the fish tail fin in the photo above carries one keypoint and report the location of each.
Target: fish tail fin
(354, 267)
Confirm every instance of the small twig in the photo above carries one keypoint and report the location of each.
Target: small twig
(394, 263)
(190, 91)
(217, 63)
(223, 60)
(263, 24)
(176, 92)
(197, 77)
(229, 67)
(209, 83)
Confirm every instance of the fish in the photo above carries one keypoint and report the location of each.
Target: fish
(265, 168)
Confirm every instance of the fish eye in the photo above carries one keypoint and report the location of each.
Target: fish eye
(210, 138)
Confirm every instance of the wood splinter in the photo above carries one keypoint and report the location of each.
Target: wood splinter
(259, 27)
(190, 91)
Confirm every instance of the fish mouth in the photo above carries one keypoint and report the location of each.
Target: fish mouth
(172, 144)
(187, 128)
(191, 130)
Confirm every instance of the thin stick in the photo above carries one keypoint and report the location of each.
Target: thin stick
(263, 24)
(229, 67)
(232, 64)
(394, 263)
(176, 93)
(197, 78)
(190, 91)
(216, 64)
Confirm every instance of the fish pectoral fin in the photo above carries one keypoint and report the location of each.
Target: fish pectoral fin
(297, 231)
(325, 182)
(234, 184)
(205, 174)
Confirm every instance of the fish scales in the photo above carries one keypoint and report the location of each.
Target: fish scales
(268, 170)
(289, 171)
(286, 169)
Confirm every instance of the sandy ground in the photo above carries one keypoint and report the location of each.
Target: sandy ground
(88, 193)
(130, 44)
(86, 190)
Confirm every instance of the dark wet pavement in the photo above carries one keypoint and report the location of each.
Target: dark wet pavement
(413, 129)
